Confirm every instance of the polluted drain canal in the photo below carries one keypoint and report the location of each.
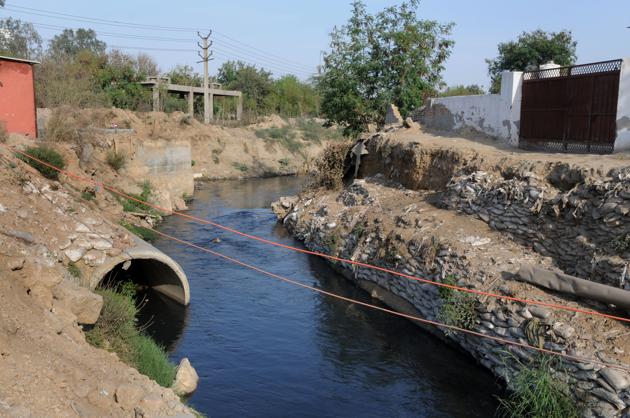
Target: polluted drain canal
(263, 348)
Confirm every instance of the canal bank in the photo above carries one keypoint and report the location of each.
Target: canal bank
(264, 348)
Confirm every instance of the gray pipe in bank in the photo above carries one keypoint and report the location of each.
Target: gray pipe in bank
(149, 266)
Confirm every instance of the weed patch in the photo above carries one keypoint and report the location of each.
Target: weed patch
(316, 132)
(47, 155)
(243, 168)
(458, 308)
(536, 394)
(116, 331)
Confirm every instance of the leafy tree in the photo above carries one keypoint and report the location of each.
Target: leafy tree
(186, 75)
(119, 80)
(19, 39)
(71, 42)
(531, 49)
(390, 57)
(462, 90)
(291, 97)
(256, 84)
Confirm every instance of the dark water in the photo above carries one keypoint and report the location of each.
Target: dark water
(264, 348)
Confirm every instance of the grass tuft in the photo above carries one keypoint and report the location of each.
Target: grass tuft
(116, 331)
(115, 160)
(536, 394)
(74, 270)
(284, 136)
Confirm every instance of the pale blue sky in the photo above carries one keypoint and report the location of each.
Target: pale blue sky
(287, 35)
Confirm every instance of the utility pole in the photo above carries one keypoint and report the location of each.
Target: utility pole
(206, 56)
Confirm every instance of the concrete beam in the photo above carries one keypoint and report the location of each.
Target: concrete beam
(197, 90)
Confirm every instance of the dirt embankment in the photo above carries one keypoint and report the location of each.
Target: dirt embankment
(468, 213)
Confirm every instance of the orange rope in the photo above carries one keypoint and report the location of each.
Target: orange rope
(316, 253)
(390, 311)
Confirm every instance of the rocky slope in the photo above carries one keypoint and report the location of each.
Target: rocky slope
(47, 369)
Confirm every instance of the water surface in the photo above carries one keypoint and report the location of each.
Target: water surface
(264, 348)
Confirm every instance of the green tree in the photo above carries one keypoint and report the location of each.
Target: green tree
(462, 90)
(19, 39)
(119, 80)
(390, 57)
(70, 42)
(186, 75)
(255, 83)
(291, 97)
(531, 49)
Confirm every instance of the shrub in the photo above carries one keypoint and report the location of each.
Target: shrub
(47, 155)
(116, 331)
(536, 394)
(61, 127)
(116, 160)
(330, 166)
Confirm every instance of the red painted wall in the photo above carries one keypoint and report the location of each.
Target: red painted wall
(17, 98)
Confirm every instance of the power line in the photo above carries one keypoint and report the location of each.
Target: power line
(65, 16)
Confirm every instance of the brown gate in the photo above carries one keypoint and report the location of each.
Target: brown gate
(570, 109)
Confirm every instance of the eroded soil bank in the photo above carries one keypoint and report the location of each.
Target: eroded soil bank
(468, 213)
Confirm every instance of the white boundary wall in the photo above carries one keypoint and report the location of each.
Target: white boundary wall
(497, 115)
(622, 142)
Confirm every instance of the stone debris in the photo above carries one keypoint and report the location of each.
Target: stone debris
(84, 304)
(186, 378)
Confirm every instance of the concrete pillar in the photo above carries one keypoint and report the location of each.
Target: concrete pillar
(156, 98)
(511, 96)
(239, 107)
(211, 107)
(191, 102)
(622, 141)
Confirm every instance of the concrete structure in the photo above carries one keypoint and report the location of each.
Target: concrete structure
(148, 265)
(623, 108)
(17, 96)
(166, 164)
(158, 83)
(496, 115)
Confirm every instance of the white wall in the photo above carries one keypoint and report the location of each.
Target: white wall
(497, 115)
(622, 143)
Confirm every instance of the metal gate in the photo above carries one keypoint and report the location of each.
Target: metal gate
(571, 109)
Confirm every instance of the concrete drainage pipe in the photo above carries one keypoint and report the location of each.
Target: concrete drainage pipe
(149, 267)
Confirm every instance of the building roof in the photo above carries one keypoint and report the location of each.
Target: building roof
(3, 58)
